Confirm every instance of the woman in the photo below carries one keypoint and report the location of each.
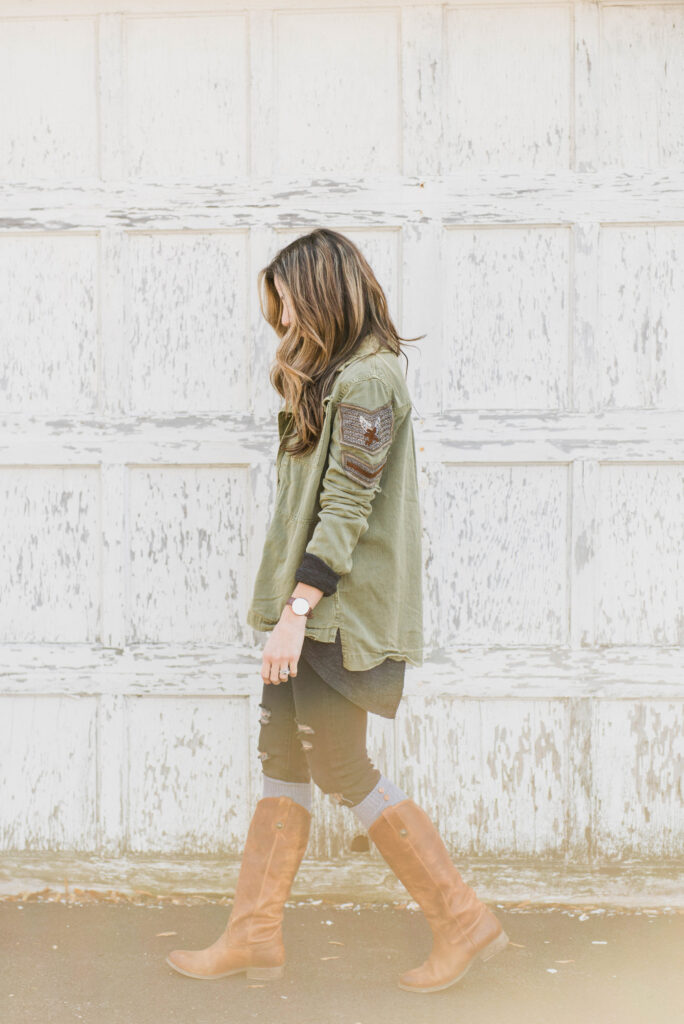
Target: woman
(339, 590)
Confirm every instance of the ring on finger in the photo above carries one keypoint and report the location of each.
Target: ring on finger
(284, 672)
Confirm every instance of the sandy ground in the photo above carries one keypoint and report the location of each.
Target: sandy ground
(103, 962)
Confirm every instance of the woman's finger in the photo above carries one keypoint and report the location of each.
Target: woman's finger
(275, 673)
(266, 671)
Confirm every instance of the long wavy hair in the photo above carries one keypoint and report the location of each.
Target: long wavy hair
(334, 301)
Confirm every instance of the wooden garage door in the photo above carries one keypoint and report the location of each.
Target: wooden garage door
(514, 175)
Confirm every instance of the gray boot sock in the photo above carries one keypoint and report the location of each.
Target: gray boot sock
(383, 795)
(300, 792)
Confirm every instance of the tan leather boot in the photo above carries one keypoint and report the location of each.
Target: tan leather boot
(252, 940)
(462, 927)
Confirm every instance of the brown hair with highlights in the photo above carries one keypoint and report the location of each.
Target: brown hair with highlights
(335, 301)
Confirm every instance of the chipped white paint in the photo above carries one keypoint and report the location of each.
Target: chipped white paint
(499, 59)
(515, 180)
(166, 372)
(48, 311)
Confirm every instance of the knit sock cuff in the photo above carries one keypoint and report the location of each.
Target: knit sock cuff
(383, 795)
(300, 792)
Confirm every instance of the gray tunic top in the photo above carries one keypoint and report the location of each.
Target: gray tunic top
(378, 689)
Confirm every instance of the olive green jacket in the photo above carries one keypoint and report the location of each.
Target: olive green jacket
(353, 501)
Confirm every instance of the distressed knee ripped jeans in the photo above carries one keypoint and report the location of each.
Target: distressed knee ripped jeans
(310, 731)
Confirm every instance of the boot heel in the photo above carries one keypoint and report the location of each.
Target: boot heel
(494, 947)
(265, 973)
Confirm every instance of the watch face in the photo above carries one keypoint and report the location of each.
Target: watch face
(300, 605)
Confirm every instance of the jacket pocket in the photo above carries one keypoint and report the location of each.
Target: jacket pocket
(296, 487)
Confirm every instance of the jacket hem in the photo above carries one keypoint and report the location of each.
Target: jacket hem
(326, 634)
(411, 657)
(360, 662)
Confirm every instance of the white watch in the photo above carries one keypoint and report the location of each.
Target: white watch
(300, 606)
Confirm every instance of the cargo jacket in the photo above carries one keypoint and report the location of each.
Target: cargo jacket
(353, 503)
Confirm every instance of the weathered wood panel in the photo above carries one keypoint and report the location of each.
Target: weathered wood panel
(508, 86)
(48, 787)
(641, 355)
(337, 92)
(187, 554)
(641, 79)
(186, 774)
(185, 96)
(49, 122)
(506, 318)
(187, 334)
(504, 554)
(513, 174)
(637, 804)
(49, 554)
(49, 314)
(641, 555)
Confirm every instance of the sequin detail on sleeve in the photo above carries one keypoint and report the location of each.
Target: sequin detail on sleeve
(367, 429)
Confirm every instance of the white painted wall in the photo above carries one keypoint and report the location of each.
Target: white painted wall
(514, 173)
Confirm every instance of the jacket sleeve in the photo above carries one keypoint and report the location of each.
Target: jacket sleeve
(362, 432)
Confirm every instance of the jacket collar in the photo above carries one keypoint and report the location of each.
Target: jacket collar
(368, 343)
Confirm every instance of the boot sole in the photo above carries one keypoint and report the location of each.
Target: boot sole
(496, 946)
(253, 973)
(491, 949)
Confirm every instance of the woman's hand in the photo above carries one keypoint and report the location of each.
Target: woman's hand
(283, 647)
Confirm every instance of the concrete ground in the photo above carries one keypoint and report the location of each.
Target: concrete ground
(100, 959)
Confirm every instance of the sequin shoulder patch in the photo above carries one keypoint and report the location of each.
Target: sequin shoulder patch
(361, 471)
(367, 429)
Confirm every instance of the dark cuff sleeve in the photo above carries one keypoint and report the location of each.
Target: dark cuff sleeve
(317, 573)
